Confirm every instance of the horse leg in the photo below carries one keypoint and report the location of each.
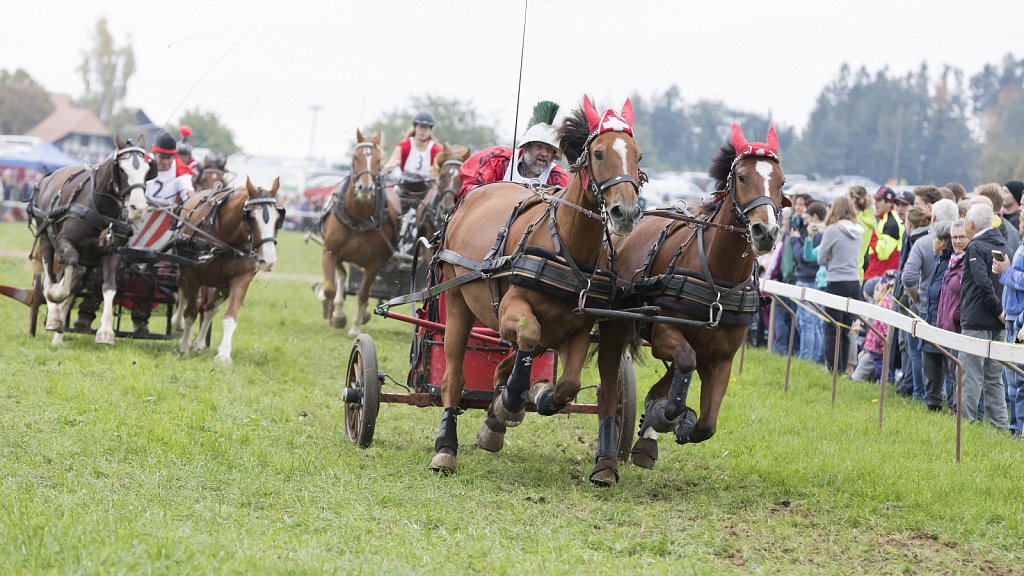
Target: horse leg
(68, 257)
(665, 405)
(332, 291)
(517, 323)
(713, 383)
(459, 322)
(551, 399)
(212, 308)
(363, 298)
(105, 334)
(609, 358)
(188, 307)
(236, 294)
(54, 321)
(491, 436)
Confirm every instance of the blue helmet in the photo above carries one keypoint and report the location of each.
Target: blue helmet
(425, 118)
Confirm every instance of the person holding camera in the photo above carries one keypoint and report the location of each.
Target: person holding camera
(807, 228)
(1011, 276)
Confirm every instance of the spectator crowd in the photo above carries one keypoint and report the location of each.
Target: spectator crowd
(938, 254)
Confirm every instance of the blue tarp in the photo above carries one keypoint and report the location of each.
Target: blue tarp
(44, 157)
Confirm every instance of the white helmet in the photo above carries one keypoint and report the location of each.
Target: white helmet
(540, 132)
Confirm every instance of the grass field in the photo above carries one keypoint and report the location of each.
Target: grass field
(133, 460)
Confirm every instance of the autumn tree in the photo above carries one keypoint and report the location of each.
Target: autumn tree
(23, 102)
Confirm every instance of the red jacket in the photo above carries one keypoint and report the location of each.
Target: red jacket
(489, 165)
(406, 146)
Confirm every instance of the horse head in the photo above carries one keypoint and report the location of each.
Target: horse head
(366, 166)
(449, 181)
(609, 162)
(131, 170)
(212, 173)
(754, 182)
(263, 217)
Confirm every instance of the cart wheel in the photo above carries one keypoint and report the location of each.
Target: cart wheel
(33, 306)
(362, 391)
(627, 405)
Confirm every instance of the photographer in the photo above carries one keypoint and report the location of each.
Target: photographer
(808, 228)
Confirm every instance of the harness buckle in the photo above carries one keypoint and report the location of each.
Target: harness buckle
(715, 311)
(582, 297)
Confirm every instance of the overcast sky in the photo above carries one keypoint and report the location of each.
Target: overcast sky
(261, 65)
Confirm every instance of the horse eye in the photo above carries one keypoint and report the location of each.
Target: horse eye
(742, 179)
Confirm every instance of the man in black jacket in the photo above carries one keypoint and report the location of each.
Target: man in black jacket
(981, 316)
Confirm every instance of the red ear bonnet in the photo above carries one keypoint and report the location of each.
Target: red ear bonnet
(611, 121)
(743, 148)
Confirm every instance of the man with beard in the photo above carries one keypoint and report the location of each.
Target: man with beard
(536, 159)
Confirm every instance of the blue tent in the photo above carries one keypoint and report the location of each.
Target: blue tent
(44, 157)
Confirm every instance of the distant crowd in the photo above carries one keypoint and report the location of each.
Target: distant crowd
(939, 254)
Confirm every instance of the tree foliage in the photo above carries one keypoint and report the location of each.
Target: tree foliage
(998, 93)
(105, 71)
(23, 102)
(209, 132)
(458, 122)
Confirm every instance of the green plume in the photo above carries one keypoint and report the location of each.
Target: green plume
(544, 111)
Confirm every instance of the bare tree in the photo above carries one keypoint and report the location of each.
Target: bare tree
(105, 70)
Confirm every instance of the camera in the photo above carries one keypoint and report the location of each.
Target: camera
(798, 224)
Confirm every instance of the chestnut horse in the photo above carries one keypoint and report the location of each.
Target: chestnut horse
(79, 214)
(699, 270)
(232, 235)
(563, 229)
(440, 201)
(360, 229)
(212, 173)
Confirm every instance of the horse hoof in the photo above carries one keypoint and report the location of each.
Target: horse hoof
(684, 428)
(339, 321)
(443, 462)
(605, 473)
(222, 359)
(505, 416)
(654, 415)
(644, 453)
(54, 324)
(355, 331)
(490, 440)
(58, 339)
(105, 337)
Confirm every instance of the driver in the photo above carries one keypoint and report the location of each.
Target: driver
(409, 166)
(537, 159)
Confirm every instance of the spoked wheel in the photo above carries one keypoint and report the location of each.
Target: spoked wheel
(34, 304)
(362, 391)
(627, 405)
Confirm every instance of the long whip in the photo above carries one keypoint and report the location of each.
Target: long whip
(519, 88)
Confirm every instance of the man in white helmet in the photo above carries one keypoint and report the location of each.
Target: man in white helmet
(537, 158)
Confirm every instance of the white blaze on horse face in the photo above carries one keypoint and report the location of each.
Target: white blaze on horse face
(766, 169)
(620, 146)
(266, 222)
(135, 169)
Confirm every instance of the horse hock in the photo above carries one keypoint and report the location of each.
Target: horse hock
(446, 445)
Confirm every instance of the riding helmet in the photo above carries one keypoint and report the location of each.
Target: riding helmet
(424, 117)
(165, 144)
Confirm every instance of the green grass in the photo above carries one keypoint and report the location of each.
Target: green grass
(131, 460)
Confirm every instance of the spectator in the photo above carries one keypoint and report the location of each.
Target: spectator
(994, 192)
(947, 194)
(866, 217)
(981, 316)
(1011, 276)
(934, 362)
(838, 253)
(918, 227)
(1011, 193)
(904, 200)
(808, 324)
(959, 193)
(925, 196)
(783, 271)
(874, 342)
(949, 299)
(884, 247)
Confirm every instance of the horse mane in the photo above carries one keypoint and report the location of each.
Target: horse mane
(105, 171)
(573, 134)
(721, 165)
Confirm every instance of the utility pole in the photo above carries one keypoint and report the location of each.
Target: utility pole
(312, 132)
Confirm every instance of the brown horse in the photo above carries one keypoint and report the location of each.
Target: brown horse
(700, 271)
(360, 229)
(79, 214)
(232, 234)
(440, 201)
(564, 230)
(212, 173)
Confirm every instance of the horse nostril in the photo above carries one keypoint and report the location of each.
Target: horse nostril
(636, 212)
(617, 212)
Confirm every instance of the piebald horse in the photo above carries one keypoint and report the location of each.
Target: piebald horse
(232, 234)
(79, 215)
(700, 269)
(568, 228)
(360, 229)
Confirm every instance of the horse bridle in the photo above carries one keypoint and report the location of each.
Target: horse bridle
(447, 190)
(265, 204)
(741, 210)
(596, 188)
(375, 177)
(118, 156)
